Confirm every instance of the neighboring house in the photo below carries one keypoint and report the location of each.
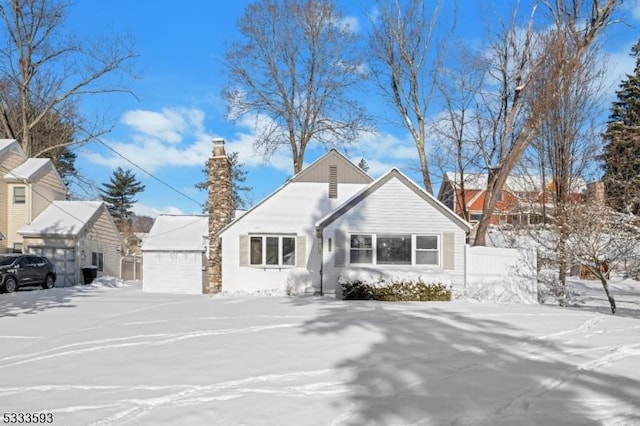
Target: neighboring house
(29, 188)
(75, 234)
(11, 156)
(175, 255)
(331, 217)
(523, 201)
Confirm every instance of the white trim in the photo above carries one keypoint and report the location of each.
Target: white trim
(374, 249)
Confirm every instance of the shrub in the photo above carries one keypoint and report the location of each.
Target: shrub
(396, 291)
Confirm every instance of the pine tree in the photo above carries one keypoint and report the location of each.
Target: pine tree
(239, 188)
(622, 152)
(118, 194)
(364, 166)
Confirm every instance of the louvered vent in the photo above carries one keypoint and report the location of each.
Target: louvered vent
(333, 181)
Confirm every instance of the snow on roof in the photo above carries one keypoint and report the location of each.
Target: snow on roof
(28, 169)
(515, 183)
(64, 218)
(8, 143)
(178, 233)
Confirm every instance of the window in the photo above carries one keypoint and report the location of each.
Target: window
(97, 259)
(272, 250)
(389, 249)
(476, 217)
(427, 250)
(361, 249)
(499, 196)
(19, 195)
(393, 249)
(18, 247)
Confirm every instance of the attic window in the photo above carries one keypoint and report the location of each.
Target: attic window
(333, 181)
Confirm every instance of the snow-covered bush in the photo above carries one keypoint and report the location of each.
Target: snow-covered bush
(395, 285)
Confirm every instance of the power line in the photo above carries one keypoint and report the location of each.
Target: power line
(201, 205)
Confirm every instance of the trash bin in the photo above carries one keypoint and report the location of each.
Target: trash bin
(89, 273)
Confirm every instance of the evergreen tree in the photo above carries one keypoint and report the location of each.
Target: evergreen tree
(118, 194)
(238, 177)
(622, 152)
(364, 166)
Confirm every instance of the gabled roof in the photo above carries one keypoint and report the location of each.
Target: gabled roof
(178, 233)
(7, 145)
(353, 174)
(63, 218)
(318, 171)
(391, 174)
(29, 170)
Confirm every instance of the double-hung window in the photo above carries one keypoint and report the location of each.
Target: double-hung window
(19, 195)
(272, 250)
(361, 250)
(97, 259)
(427, 252)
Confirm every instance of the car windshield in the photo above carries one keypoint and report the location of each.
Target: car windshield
(6, 260)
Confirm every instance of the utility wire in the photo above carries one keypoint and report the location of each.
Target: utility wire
(201, 205)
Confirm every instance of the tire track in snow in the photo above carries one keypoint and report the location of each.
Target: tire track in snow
(585, 326)
(165, 338)
(134, 408)
(616, 354)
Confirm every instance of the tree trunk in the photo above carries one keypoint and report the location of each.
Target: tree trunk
(605, 285)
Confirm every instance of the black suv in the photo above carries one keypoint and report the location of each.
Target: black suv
(17, 270)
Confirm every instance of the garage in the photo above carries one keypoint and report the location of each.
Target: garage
(175, 255)
(64, 260)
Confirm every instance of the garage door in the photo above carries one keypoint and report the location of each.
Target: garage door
(64, 259)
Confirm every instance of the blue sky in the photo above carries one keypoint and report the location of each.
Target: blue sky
(167, 127)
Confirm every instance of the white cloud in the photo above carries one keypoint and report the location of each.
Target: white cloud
(350, 23)
(144, 210)
(619, 64)
(168, 125)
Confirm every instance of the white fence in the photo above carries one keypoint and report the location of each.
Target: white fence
(501, 274)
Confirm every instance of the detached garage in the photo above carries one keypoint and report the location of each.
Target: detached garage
(72, 235)
(174, 255)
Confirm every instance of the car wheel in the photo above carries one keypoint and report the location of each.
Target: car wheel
(49, 282)
(10, 285)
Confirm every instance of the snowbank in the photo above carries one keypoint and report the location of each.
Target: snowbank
(373, 276)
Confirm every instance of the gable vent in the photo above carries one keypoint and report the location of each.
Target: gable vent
(333, 181)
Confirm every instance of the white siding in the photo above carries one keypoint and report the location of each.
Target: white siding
(394, 209)
(292, 210)
(172, 272)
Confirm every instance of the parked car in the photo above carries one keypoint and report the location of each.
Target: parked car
(18, 270)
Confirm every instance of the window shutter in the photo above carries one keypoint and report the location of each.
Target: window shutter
(244, 250)
(339, 249)
(448, 252)
(301, 251)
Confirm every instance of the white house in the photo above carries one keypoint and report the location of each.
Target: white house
(331, 217)
(74, 234)
(175, 255)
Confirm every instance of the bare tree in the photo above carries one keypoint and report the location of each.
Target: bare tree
(46, 72)
(515, 57)
(567, 141)
(603, 241)
(296, 65)
(406, 58)
(454, 130)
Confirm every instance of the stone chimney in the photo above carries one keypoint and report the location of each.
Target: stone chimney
(220, 211)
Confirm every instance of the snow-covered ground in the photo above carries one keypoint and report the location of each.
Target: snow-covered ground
(108, 354)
